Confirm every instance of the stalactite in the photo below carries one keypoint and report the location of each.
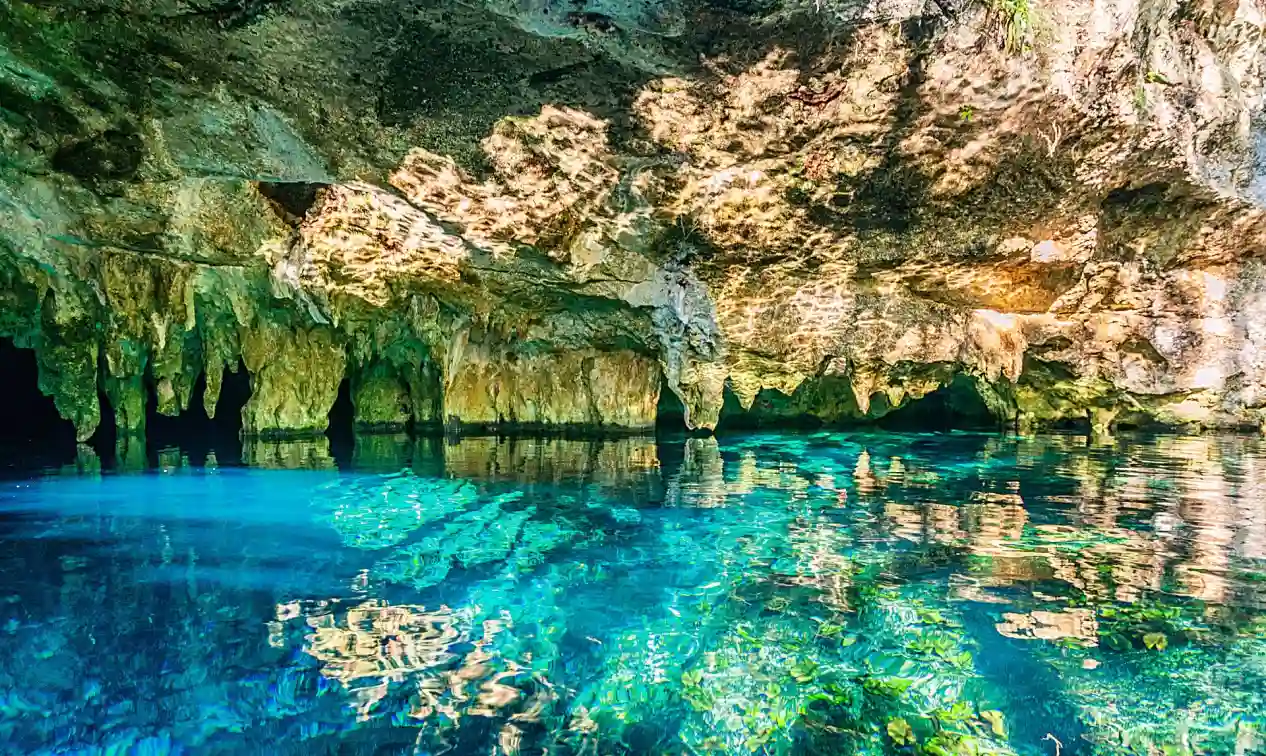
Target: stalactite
(484, 386)
(127, 397)
(295, 376)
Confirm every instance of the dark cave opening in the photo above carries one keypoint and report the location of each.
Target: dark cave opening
(32, 432)
(828, 402)
(670, 413)
(954, 406)
(105, 437)
(195, 433)
(341, 430)
(774, 410)
(1081, 425)
(291, 200)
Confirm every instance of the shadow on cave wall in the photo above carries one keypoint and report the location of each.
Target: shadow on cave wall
(889, 196)
(478, 84)
(447, 75)
(892, 203)
(445, 71)
(487, 69)
(490, 72)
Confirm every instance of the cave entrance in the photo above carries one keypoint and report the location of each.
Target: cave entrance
(193, 432)
(954, 406)
(291, 200)
(829, 402)
(670, 413)
(816, 403)
(341, 430)
(32, 433)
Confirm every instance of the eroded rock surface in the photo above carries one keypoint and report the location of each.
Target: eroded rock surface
(546, 214)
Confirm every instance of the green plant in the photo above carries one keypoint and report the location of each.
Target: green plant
(951, 744)
(900, 731)
(1014, 19)
(804, 671)
(942, 646)
(934, 616)
(1152, 625)
(1140, 101)
(960, 711)
(889, 687)
(828, 630)
(993, 718)
(698, 698)
(936, 644)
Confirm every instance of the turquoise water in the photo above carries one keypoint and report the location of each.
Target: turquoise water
(781, 594)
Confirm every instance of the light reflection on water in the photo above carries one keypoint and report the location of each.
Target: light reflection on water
(825, 593)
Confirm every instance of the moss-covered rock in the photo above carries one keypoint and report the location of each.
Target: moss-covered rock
(382, 400)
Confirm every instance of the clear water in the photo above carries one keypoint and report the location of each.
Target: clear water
(830, 593)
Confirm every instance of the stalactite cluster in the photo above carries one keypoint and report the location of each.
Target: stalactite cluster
(770, 213)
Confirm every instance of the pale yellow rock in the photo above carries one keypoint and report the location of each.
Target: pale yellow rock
(485, 387)
(295, 376)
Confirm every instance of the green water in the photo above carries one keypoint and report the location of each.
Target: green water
(778, 594)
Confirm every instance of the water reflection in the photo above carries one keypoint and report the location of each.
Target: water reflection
(374, 643)
(822, 593)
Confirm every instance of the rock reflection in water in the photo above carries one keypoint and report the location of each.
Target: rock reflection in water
(374, 643)
(774, 594)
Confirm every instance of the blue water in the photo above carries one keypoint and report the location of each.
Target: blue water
(782, 594)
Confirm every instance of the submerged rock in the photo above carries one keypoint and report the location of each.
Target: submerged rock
(521, 214)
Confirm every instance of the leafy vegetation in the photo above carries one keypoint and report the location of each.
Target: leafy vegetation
(1014, 21)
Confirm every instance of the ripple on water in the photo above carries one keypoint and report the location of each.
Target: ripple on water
(786, 594)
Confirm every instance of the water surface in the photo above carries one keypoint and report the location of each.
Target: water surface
(785, 594)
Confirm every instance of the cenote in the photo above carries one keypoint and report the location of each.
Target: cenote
(632, 378)
(815, 593)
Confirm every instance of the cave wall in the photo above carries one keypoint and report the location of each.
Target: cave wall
(778, 212)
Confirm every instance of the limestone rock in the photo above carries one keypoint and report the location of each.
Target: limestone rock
(381, 400)
(587, 388)
(295, 375)
(543, 213)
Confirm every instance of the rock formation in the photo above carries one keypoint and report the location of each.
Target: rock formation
(543, 213)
